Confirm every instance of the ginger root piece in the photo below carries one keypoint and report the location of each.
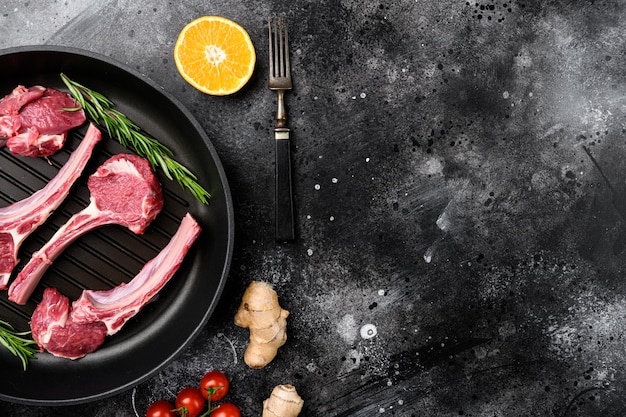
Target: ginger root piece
(283, 402)
(260, 312)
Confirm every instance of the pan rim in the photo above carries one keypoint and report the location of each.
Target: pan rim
(230, 227)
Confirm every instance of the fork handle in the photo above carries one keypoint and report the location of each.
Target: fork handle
(285, 230)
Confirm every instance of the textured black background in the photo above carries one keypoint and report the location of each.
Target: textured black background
(443, 195)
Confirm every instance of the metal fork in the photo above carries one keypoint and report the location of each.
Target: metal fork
(280, 81)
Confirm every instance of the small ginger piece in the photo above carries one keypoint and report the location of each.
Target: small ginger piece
(260, 312)
(283, 402)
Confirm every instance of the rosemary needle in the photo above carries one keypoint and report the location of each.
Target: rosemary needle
(16, 343)
(101, 111)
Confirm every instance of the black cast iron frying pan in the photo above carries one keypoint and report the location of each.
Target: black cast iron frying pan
(112, 254)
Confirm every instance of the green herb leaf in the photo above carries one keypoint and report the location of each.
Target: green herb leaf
(101, 111)
(16, 342)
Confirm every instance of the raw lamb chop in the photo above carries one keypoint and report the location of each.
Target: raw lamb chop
(49, 114)
(21, 218)
(124, 191)
(74, 332)
(12, 103)
(31, 143)
(52, 330)
(35, 121)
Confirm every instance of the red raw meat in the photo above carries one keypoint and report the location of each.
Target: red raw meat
(47, 113)
(74, 332)
(31, 143)
(52, 330)
(35, 121)
(9, 126)
(21, 218)
(10, 120)
(12, 103)
(124, 191)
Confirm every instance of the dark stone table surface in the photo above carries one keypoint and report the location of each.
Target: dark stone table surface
(446, 201)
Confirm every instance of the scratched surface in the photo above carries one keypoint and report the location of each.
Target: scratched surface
(460, 196)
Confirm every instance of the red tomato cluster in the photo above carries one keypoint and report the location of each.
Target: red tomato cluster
(192, 402)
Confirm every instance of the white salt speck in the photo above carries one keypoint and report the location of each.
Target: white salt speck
(428, 256)
(381, 292)
(309, 252)
(317, 186)
(506, 95)
(389, 383)
(363, 95)
(381, 410)
(443, 221)
(368, 331)
(315, 98)
(353, 97)
(320, 157)
(400, 402)
(367, 159)
(308, 217)
(334, 180)
(332, 218)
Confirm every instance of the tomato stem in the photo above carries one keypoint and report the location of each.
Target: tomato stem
(209, 410)
(213, 390)
(183, 411)
(210, 391)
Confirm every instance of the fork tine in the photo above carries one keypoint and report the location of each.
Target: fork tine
(281, 47)
(284, 48)
(271, 48)
(287, 64)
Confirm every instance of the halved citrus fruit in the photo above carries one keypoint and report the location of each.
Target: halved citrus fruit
(215, 55)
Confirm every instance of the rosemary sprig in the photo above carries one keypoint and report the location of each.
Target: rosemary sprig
(17, 344)
(101, 111)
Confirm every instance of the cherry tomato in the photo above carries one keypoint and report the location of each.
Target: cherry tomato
(161, 408)
(226, 410)
(214, 385)
(190, 402)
